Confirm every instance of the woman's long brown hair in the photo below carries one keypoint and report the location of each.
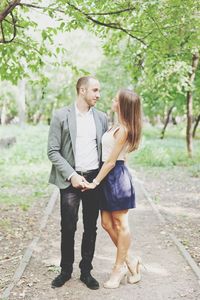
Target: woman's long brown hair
(130, 116)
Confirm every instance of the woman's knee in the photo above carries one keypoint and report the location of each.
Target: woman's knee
(106, 222)
(107, 225)
(120, 224)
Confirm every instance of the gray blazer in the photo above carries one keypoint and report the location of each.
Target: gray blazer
(62, 141)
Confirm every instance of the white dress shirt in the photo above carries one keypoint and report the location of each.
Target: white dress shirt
(86, 154)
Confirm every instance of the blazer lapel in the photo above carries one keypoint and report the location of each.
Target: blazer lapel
(98, 130)
(72, 126)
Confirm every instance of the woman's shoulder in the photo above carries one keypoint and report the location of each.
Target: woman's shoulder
(121, 134)
(121, 130)
(117, 130)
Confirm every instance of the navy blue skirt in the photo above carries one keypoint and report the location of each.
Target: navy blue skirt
(118, 189)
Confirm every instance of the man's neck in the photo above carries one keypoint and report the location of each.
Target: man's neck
(82, 106)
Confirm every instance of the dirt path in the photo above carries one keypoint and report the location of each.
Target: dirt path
(167, 276)
(176, 193)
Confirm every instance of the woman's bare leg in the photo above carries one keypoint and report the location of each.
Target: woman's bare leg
(120, 221)
(107, 224)
(116, 224)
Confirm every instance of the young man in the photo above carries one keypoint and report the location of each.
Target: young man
(74, 148)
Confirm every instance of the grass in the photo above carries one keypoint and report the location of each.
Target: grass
(24, 167)
(168, 152)
(195, 170)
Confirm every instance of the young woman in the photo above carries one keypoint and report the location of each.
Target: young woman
(117, 186)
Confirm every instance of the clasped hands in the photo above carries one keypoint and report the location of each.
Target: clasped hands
(79, 182)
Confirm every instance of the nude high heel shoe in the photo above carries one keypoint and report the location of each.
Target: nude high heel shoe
(118, 275)
(135, 270)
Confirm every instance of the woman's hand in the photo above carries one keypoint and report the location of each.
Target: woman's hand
(88, 186)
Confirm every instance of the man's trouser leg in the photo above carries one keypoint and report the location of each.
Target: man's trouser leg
(69, 205)
(90, 210)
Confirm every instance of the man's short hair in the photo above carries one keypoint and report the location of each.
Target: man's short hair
(83, 81)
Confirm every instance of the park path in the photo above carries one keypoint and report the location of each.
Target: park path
(167, 274)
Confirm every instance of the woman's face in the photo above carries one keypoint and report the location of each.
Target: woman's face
(115, 104)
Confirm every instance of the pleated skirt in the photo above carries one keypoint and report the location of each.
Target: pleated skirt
(118, 189)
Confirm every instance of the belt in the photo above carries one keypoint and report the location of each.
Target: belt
(88, 172)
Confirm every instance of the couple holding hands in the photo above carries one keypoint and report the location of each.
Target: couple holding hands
(88, 165)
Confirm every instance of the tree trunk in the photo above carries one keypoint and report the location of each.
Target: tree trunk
(21, 102)
(195, 126)
(3, 113)
(174, 122)
(195, 61)
(166, 122)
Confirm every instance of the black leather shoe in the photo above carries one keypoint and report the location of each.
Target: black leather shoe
(60, 279)
(90, 281)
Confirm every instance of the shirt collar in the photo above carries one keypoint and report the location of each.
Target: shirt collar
(80, 114)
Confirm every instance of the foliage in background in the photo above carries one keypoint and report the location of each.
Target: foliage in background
(154, 152)
(153, 42)
(24, 168)
(112, 76)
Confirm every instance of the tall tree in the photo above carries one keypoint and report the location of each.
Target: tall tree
(195, 62)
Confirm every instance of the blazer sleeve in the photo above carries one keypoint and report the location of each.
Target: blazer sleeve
(105, 123)
(54, 146)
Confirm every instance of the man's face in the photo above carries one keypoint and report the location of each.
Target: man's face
(92, 92)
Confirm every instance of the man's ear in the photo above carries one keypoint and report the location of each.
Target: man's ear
(82, 91)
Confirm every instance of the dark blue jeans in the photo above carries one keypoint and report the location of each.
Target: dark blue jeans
(70, 201)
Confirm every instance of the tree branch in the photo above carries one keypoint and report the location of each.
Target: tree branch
(109, 25)
(15, 24)
(4, 41)
(88, 14)
(40, 7)
(14, 28)
(24, 44)
(157, 25)
(2, 31)
(112, 12)
(9, 9)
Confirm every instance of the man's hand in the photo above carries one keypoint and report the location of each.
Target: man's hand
(78, 181)
(88, 186)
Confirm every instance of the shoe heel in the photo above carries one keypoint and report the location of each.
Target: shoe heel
(141, 263)
(134, 278)
(124, 280)
(116, 278)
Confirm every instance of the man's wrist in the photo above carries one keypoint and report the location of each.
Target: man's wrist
(70, 177)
